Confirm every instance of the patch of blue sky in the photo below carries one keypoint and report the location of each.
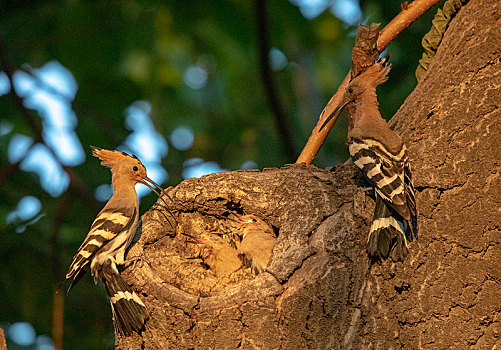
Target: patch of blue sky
(249, 164)
(195, 77)
(182, 138)
(146, 143)
(26, 209)
(5, 127)
(137, 116)
(197, 167)
(103, 192)
(44, 342)
(50, 93)
(19, 144)
(346, 10)
(311, 8)
(22, 333)
(53, 179)
(59, 78)
(278, 60)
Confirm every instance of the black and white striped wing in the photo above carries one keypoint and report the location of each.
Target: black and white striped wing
(411, 200)
(107, 225)
(384, 170)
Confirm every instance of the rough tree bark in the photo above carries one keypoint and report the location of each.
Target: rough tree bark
(320, 291)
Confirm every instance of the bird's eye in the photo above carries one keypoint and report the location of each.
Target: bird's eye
(135, 168)
(254, 220)
(350, 90)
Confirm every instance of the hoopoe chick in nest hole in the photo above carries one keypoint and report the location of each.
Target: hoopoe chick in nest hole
(217, 253)
(258, 241)
(381, 155)
(109, 237)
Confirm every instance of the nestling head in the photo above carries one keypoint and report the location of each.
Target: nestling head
(251, 223)
(124, 166)
(248, 219)
(210, 241)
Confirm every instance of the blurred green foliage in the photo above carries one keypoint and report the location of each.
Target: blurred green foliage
(124, 51)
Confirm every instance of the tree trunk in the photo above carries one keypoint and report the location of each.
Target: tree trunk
(320, 290)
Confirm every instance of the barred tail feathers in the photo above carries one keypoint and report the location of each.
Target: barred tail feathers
(387, 234)
(129, 312)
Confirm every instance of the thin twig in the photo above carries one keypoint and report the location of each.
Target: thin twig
(57, 271)
(3, 344)
(404, 19)
(390, 32)
(282, 122)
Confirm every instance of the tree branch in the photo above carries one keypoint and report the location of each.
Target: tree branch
(282, 122)
(388, 33)
(3, 344)
(57, 270)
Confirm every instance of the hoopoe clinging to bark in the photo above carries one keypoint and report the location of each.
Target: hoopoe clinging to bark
(110, 235)
(381, 156)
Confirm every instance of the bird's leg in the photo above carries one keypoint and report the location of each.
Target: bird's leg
(131, 262)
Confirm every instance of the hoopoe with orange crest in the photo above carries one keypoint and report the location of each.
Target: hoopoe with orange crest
(381, 155)
(109, 237)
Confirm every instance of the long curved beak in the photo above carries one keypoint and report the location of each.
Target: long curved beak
(194, 239)
(237, 216)
(187, 235)
(338, 108)
(153, 183)
(146, 181)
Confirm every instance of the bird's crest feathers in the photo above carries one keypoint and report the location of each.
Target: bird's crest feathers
(110, 158)
(375, 74)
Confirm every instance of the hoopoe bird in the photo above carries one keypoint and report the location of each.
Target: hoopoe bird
(381, 155)
(109, 237)
(258, 241)
(218, 254)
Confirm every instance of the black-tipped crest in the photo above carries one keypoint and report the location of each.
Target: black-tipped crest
(111, 158)
(370, 78)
